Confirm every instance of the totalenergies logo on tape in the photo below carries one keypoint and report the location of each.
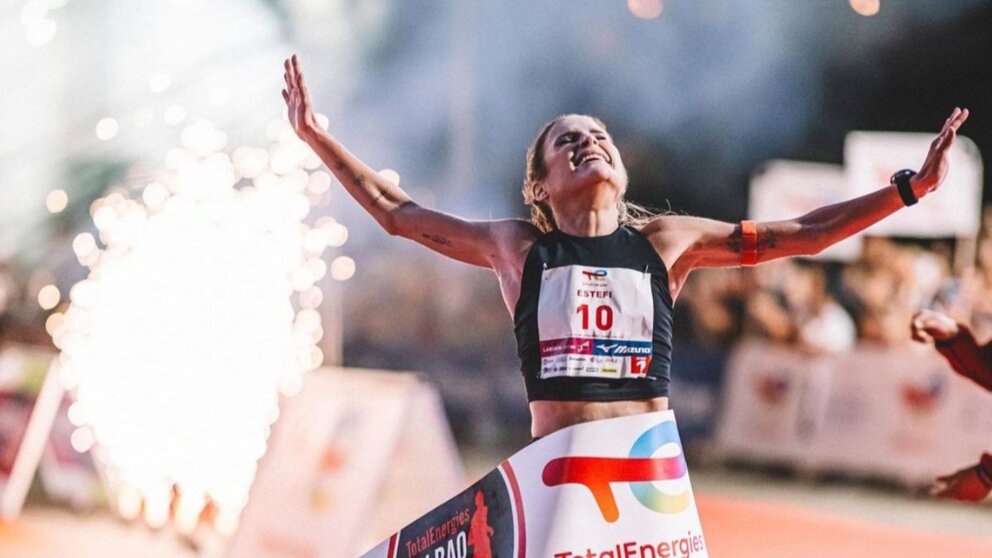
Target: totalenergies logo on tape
(640, 469)
(598, 275)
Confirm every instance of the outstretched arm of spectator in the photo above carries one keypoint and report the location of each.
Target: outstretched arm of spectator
(956, 342)
(971, 484)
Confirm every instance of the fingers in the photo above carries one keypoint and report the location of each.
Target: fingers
(297, 73)
(961, 117)
(921, 336)
(291, 69)
(955, 120)
(946, 479)
(287, 68)
(950, 119)
(946, 139)
(285, 96)
(302, 85)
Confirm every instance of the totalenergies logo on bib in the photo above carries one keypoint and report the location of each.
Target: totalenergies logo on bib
(598, 275)
(640, 469)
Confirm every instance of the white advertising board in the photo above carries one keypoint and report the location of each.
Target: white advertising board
(773, 402)
(353, 456)
(898, 413)
(952, 211)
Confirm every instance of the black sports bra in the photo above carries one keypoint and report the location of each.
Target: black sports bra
(594, 318)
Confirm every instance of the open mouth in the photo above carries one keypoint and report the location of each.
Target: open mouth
(589, 156)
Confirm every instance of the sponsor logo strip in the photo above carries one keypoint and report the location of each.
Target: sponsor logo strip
(593, 346)
(596, 474)
(620, 347)
(567, 346)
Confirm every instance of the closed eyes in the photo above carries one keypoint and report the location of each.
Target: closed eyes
(570, 137)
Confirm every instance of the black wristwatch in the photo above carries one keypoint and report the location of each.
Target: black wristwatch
(901, 181)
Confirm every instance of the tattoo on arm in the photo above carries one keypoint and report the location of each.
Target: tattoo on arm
(767, 238)
(438, 239)
(735, 241)
(375, 200)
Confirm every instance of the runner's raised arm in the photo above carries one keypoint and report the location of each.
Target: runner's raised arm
(483, 243)
(692, 242)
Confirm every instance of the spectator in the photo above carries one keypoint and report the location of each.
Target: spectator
(956, 342)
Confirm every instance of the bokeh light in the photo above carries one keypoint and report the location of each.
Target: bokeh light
(391, 176)
(39, 28)
(866, 8)
(645, 9)
(107, 128)
(342, 268)
(54, 322)
(56, 201)
(49, 297)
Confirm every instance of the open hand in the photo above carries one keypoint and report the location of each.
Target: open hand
(934, 168)
(928, 326)
(297, 98)
(964, 485)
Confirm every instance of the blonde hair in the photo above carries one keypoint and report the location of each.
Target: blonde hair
(541, 215)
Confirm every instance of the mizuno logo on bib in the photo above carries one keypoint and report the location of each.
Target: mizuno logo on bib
(595, 322)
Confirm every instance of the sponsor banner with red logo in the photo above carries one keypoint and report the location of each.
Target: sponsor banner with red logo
(773, 401)
(614, 488)
(900, 413)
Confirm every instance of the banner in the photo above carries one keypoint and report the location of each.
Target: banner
(897, 413)
(953, 211)
(615, 488)
(354, 455)
(772, 403)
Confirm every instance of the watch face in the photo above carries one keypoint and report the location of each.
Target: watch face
(904, 173)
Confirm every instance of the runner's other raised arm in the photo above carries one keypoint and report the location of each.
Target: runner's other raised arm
(691, 242)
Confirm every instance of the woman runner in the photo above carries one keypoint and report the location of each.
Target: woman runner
(590, 281)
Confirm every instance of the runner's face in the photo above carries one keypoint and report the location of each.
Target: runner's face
(579, 154)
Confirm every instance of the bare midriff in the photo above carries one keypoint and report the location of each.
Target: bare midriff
(550, 416)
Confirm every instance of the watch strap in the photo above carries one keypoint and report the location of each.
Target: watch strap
(905, 189)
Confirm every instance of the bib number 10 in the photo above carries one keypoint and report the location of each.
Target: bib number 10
(603, 315)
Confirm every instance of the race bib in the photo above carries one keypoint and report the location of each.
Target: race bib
(595, 322)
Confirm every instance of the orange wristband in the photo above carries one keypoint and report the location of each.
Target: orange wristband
(749, 243)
